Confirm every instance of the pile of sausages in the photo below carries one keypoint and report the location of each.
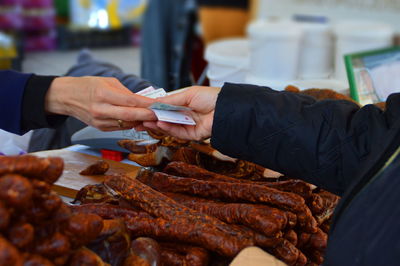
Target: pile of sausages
(215, 216)
(38, 229)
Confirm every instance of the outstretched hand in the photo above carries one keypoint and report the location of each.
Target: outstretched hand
(100, 102)
(201, 100)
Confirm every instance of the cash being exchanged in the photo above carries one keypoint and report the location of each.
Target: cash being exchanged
(167, 112)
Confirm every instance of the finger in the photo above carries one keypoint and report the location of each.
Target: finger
(140, 127)
(112, 124)
(183, 98)
(125, 113)
(151, 125)
(175, 130)
(126, 98)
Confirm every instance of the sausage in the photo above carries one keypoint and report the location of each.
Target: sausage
(183, 169)
(96, 193)
(108, 211)
(85, 257)
(291, 236)
(234, 192)
(209, 238)
(4, 216)
(185, 154)
(45, 169)
(146, 249)
(35, 260)
(15, 190)
(265, 219)
(98, 168)
(138, 146)
(9, 255)
(171, 257)
(112, 244)
(54, 246)
(207, 230)
(315, 241)
(83, 228)
(52, 202)
(193, 256)
(21, 235)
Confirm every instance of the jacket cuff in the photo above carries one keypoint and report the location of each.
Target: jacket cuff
(34, 114)
(233, 103)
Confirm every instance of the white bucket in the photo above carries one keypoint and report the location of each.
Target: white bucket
(274, 50)
(358, 36)
(228, 61)
(316, 53)
(278, 85)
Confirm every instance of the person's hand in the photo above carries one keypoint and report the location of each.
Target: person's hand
(100, 102)
(202, 101)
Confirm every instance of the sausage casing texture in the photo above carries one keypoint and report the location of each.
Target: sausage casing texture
(108, 211)
(264, 219)
(147, 249)
(192, 224)
(193, 256)
(46, 169)
(15, 190)
(98, 168)
(183, 169)
(234, 192)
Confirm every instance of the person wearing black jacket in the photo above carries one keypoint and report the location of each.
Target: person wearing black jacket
(334, 144)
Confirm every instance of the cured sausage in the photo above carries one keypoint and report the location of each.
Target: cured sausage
(46, 169)
(187, 223)
(98, 168)
(234, 192)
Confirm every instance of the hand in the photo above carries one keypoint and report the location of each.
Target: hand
(99, 102)
(202, 101)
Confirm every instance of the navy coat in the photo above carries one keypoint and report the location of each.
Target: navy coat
(11, 97)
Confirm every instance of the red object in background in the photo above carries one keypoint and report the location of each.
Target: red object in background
(10, 19)
(198, 63)
(35, 19)
(40, 41)
(10, 2)
(37, 3)
(112, 155)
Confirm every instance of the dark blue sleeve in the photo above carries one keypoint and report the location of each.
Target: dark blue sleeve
(328, 143)
(11, 97)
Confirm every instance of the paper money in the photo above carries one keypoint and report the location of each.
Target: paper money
(176, 117)
(146, 91)
(168, 107)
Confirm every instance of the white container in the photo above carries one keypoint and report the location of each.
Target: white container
(359, 36)
(274, 50)
(228, 61)
(316, 53)
(278, 85)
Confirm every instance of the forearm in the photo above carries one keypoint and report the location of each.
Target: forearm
(35, 112)
(321, 142)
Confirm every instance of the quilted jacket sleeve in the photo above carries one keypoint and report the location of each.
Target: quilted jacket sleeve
(322, 142)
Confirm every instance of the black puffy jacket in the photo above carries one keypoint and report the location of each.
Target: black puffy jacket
(345, 149)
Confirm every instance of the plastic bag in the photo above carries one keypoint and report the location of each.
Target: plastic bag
(12, 144)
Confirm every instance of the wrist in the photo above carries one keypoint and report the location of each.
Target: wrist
(57, 96)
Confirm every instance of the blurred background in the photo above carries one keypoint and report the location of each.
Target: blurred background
(176, 43)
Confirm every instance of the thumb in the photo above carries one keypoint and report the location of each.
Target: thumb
(182, 98)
